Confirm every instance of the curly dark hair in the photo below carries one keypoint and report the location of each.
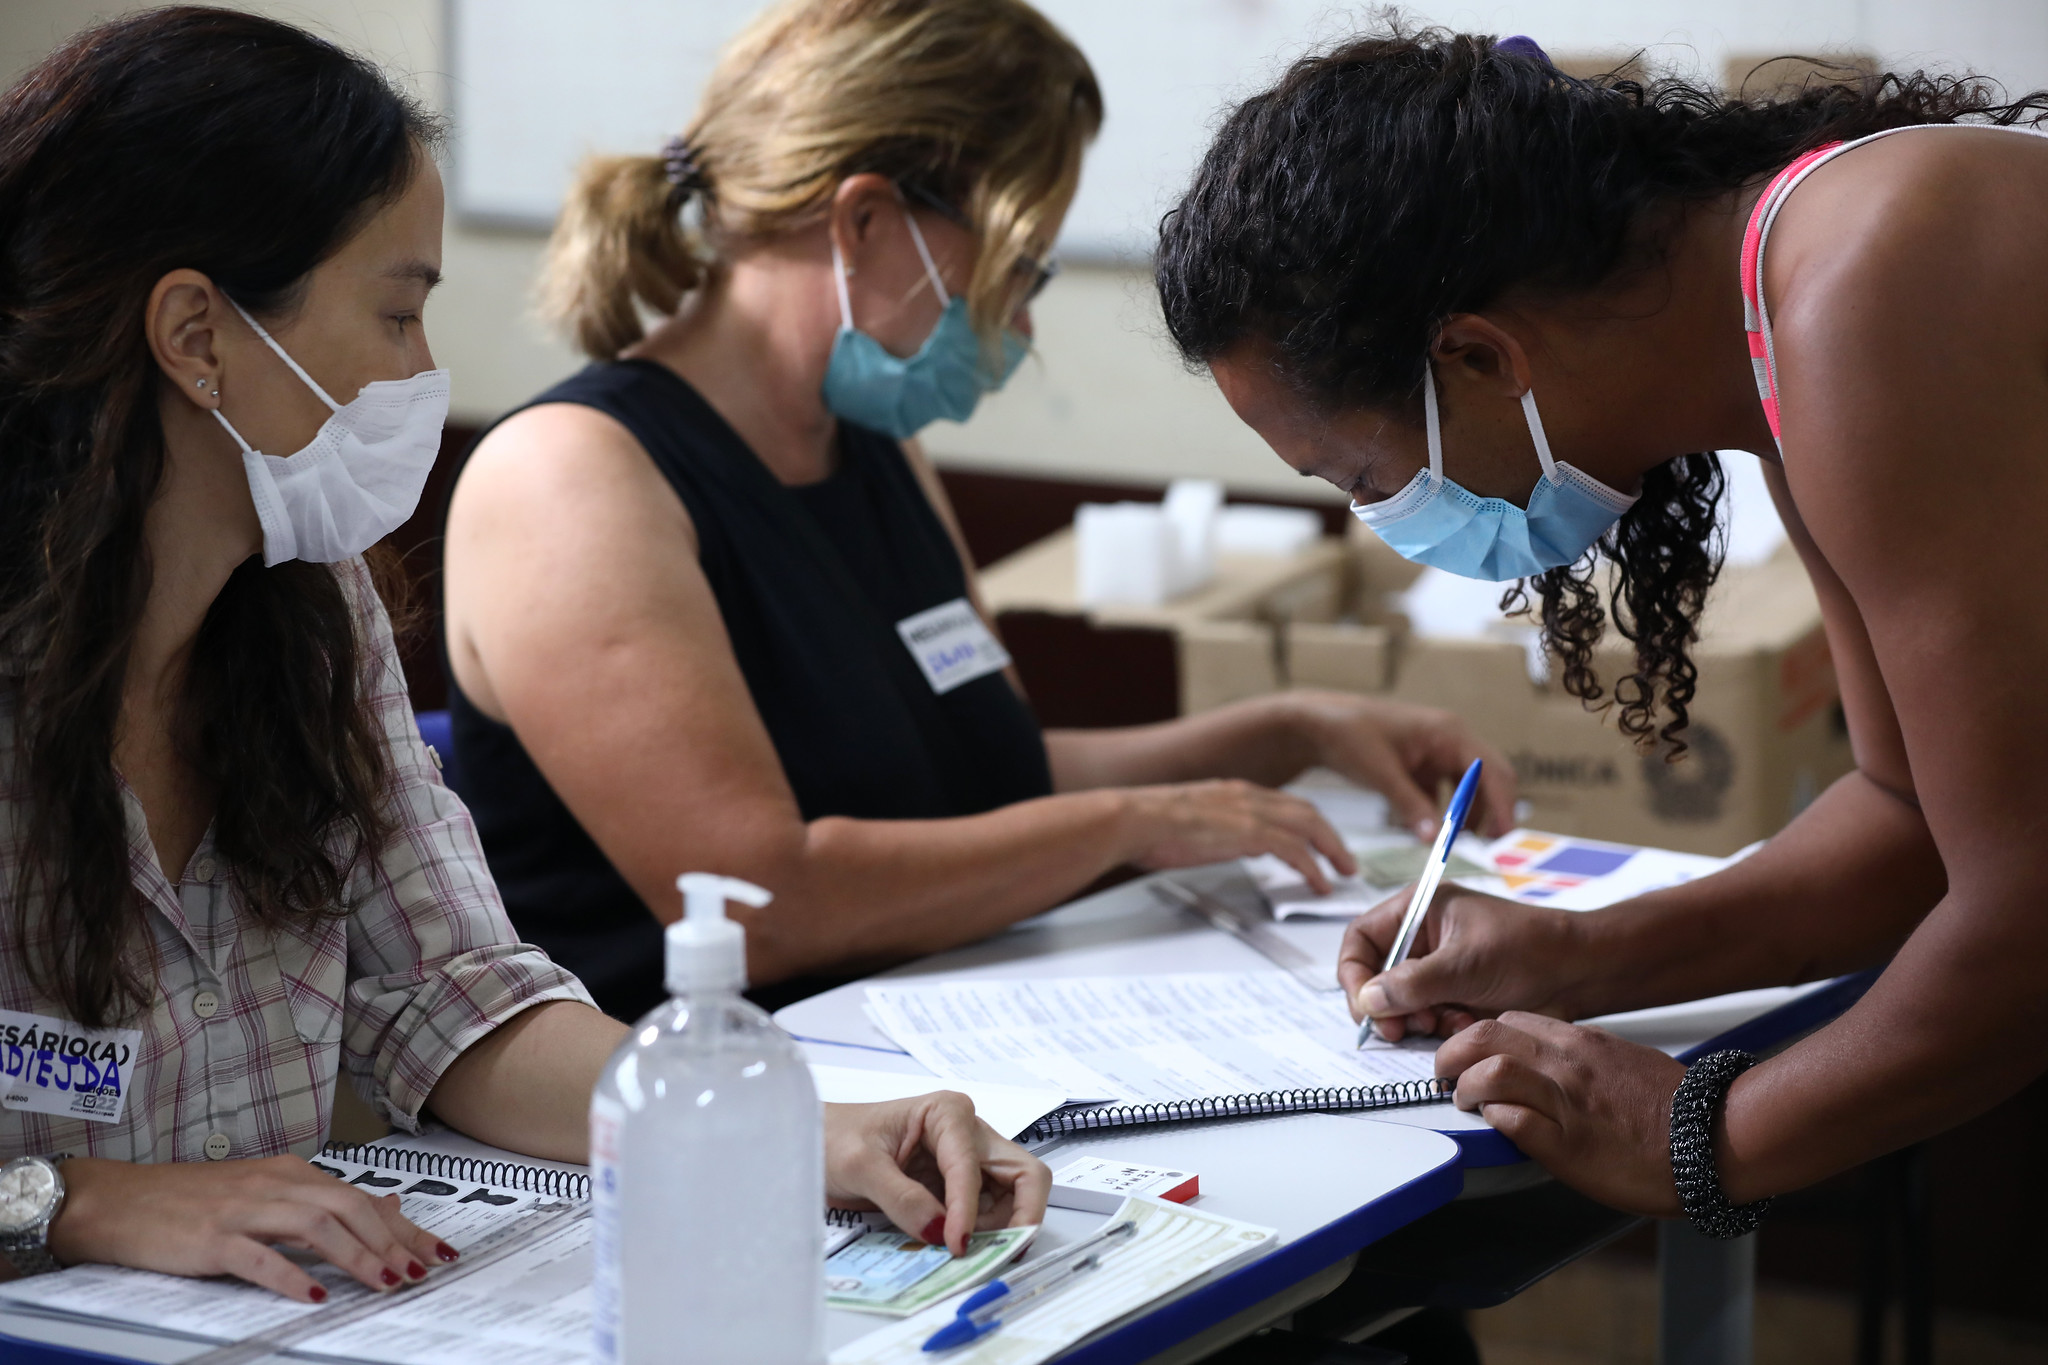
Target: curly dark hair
(1403, 177)
(250, 151)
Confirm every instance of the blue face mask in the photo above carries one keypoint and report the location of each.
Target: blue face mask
(866, 385)
(1435, 522)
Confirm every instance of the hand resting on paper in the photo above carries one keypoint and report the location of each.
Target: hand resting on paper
(1591, 1108)
(227, 1217)
(1474, 956)
(939, 1172)
(1192, 823)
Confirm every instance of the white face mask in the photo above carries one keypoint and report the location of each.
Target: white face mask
(361, 475)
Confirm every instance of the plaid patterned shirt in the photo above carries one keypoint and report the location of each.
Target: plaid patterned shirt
(240, 1047)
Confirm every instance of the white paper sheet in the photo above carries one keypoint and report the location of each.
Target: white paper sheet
(531, 1308)
(1139, 1039)
(1174, 1246)
(1009, 1109)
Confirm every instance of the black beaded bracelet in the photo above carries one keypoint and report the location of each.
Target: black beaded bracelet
(1692, 1147)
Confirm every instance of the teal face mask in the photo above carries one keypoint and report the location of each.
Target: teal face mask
(1436, 522)
(899, 397)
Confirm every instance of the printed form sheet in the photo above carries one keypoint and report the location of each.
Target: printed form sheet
(461, 1212)
(1143, 1039)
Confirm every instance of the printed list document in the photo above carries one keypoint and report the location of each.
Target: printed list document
(1143, 1039)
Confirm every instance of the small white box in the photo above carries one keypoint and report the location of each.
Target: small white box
(1257, 530)
(1125, 554)
(1096, 1186)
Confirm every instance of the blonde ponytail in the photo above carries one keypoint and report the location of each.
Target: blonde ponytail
(983, 104)
(620, 245)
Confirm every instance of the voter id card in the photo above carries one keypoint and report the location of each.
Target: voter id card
(878, 1266)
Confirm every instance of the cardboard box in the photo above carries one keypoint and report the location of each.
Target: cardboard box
(1311, 586)
(1226, 661)
(1765, 735)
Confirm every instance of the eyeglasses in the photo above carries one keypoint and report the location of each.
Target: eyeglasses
(1033, 271)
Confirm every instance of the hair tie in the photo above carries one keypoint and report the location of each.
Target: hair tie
(1521, 45)
(679, 162)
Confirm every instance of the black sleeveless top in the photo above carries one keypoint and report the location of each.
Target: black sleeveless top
(811, 582)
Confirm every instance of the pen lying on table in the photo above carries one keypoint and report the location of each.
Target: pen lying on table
(985, 1310)
(1432, 877)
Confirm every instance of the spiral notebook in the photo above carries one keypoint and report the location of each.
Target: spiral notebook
(1155, 1049)
(841, 1225)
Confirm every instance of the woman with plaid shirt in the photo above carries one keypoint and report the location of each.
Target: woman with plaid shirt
(230, 869)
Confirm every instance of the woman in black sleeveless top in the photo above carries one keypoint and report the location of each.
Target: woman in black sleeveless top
(706, 607)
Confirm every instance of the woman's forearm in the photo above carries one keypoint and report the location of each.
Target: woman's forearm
(525, 1086)
(1264, 739)
(1839, 889)
(1957, 1023)
(860, 893)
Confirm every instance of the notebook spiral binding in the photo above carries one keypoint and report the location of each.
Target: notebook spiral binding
(506, 1175)
(845, 1218)
(1305, 1101)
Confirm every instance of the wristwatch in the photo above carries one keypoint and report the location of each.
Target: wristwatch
(31, 1196)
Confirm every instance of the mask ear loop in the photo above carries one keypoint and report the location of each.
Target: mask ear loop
(1536, 435)
(839, 278)
(1432, 423)
(931, 269)
(296, 368)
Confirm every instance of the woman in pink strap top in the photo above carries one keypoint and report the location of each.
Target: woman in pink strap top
(1389, 257)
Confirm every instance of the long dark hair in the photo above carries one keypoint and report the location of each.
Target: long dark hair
(1398, 179)
(250, 151)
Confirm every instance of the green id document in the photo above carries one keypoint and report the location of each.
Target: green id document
(895, 1274)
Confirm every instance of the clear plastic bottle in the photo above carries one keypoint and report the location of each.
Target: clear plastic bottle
(708, 1166)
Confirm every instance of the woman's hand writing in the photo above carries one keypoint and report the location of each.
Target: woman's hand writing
(1473, 956)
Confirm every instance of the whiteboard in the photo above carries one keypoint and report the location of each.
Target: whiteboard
(538, 84)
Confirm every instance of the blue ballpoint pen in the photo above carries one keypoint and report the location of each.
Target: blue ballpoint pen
(1432, 876)
(986, 1309)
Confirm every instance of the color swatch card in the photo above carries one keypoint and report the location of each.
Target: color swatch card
(1574, 873)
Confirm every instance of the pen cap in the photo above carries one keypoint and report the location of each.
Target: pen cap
(707, 951)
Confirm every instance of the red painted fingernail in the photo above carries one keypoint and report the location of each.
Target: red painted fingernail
(390, 1280)
(445, 1252)
(935, 1231)
(416, 1270)
(317, 1294)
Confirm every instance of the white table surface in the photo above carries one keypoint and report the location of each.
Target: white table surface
(1304, 1173)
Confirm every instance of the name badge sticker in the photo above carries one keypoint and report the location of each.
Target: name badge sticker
(952, 645)
(49, 1066)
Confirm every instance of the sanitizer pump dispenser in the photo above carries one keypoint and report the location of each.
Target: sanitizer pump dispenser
(708, 1167)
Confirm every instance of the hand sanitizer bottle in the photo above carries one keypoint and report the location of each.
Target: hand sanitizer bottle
(708, 1167)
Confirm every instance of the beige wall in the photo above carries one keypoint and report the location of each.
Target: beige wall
(1103, 400)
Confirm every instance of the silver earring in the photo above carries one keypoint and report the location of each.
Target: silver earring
(201, 383)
